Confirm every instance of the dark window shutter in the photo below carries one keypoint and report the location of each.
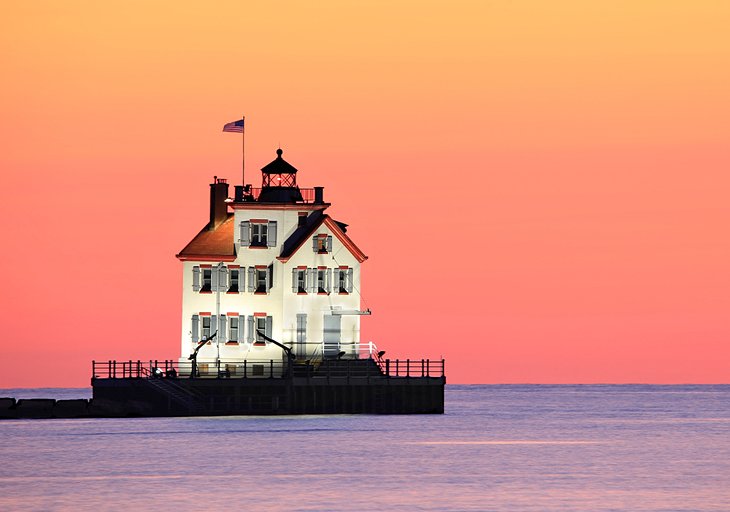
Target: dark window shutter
(312, 273)
(270, 277)
(214, 277)
(328, 280)
(241, 326)
(214, 327)
(348, 283)
(196, 328)
(223, 279)
(294, 285)
(251, 327)
(251, 279)
(314, 244)
(336, 281)
(245, 233)
(271, 237)
(196, 278)
(268, 326)
(329, 244)
(223, 334)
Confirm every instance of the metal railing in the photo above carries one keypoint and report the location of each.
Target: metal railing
(273, 369)
(238, 368)
(307, 194)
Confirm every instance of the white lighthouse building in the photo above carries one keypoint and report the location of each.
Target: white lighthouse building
(270, 261)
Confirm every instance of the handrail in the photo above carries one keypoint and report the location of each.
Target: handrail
(272, 369)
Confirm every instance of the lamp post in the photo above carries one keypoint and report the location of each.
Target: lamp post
(218, 274)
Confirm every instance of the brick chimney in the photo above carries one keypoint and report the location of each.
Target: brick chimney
(218, 205)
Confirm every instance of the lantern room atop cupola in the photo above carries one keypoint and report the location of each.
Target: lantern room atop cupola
(279, 182)
(279, 173)
(278, 185)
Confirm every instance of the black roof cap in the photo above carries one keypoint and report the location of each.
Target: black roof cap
(279, 166)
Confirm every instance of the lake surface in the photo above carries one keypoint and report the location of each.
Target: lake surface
(522, 448)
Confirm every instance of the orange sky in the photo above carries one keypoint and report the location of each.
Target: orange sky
(541, 187)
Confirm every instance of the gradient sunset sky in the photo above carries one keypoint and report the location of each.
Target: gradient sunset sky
(542, 187)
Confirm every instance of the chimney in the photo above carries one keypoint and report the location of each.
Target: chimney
(218, 205)
(238, 194)
(318, 195)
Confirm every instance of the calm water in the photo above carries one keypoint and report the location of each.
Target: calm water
(594, 448)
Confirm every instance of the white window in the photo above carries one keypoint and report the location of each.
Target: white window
(235, 275)
(259, 233)
(322, 244)
(299, 280)
(261, 280)
(260, 326)
(343, 280)
(233, 328)
(324, 277)
(205, 327)
(207, 279)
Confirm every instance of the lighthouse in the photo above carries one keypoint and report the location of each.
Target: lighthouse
(270, 264)
(271, 311)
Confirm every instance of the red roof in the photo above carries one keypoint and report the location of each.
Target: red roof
(216, 245)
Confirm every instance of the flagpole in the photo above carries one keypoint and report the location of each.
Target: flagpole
(243, 151)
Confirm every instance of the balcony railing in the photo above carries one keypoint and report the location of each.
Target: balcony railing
(271, 369)
(307, 195)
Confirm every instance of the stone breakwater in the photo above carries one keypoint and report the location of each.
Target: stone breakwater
(47, 408)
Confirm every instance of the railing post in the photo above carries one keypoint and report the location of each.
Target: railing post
(428, 367)
(271, 368)
(218, 366)
(408, 367)
(443, 369)
(387, 367)
(93, 368)
(397, 367)
(114, 373)
(422, 368)
(245, 367)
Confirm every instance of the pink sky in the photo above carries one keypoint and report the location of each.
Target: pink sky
(541, 187)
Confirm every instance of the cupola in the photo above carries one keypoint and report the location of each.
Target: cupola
(279, 182)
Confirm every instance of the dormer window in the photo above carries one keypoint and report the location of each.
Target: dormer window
(322, 244)
(258, 233)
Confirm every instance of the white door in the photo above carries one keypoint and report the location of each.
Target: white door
(332, 335)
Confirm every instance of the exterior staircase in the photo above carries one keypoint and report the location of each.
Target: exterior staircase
(187, 399)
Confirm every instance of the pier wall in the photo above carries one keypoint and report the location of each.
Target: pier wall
(275, 396)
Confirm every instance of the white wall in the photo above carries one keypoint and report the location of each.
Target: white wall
(281, 303)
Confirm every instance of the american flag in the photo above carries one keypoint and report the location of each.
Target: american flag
(234, 126)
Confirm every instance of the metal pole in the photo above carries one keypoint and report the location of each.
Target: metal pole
(218, 269)
(243, 151)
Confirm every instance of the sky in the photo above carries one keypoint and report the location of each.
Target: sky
(541, 187)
